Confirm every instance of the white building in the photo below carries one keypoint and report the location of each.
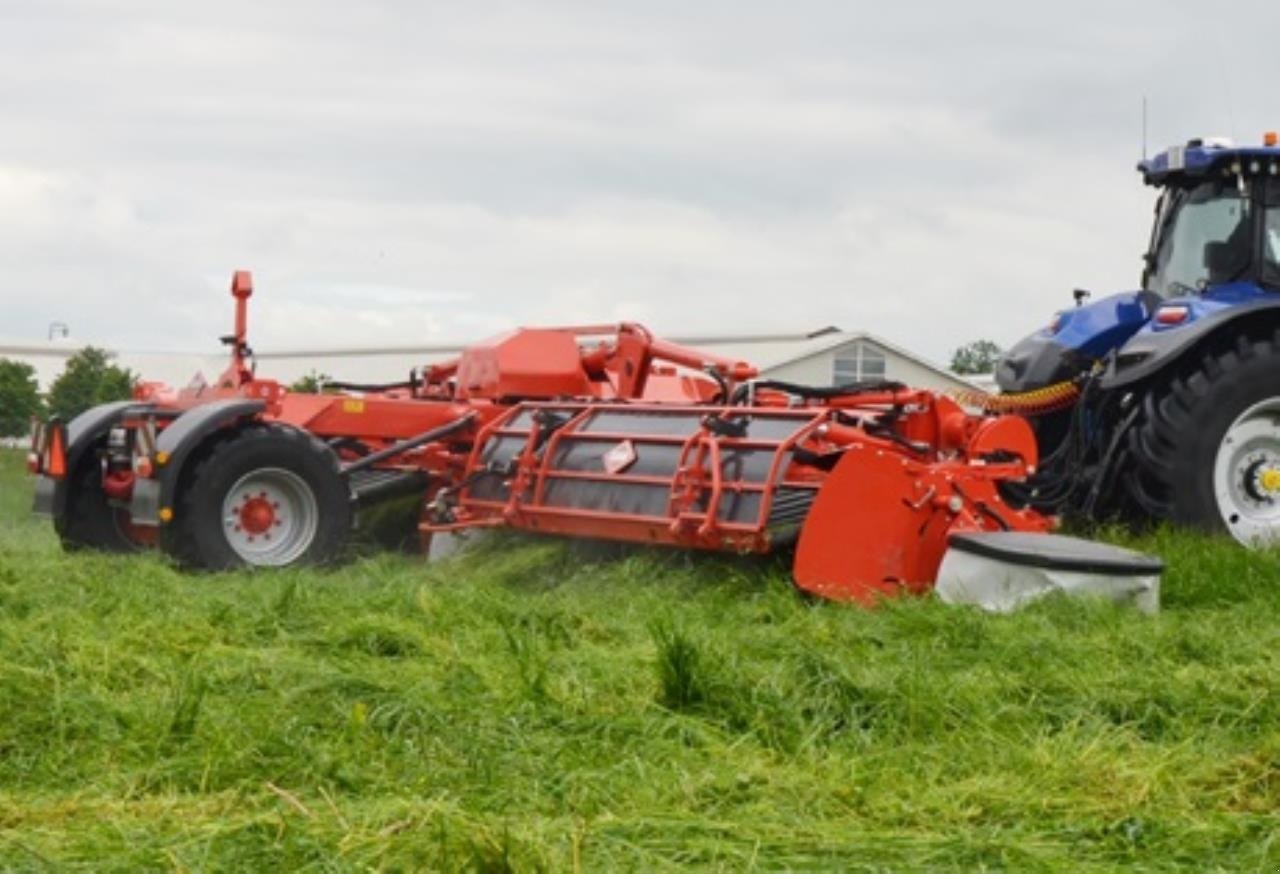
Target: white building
(49, 358)
(825, 357)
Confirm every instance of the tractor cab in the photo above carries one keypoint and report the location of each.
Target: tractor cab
(1217, 221)
(1214, 246)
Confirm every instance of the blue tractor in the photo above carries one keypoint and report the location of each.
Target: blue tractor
(1176, 387)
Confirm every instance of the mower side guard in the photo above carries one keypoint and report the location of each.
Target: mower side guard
(881, 522)
(1003, 571)
(174, 445)
(82, 434)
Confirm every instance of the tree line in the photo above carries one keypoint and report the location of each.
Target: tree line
(978, 357)
(88, 378)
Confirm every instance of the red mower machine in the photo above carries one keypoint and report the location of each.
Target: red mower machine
(596, 432)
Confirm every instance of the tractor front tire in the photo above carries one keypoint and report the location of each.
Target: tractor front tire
(89, 521)
(268, 496)
(1206, 447)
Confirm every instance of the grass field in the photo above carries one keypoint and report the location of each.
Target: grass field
(537, 705)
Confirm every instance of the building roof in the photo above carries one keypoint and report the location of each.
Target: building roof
(772, 351)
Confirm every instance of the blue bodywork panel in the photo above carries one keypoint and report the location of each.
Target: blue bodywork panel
(1096, 328)
(1214, 299)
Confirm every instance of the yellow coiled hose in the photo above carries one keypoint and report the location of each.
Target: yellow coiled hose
(1051, 398)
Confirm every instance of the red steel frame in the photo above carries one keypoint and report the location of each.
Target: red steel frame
(698, 470)
(934, 467)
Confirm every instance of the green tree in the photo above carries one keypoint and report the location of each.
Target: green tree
(311, 384)
(89, 379)
(19, 397)
(980, 356)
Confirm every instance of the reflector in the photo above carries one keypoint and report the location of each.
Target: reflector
(55, 463)
(35, 448)
(1175, 315)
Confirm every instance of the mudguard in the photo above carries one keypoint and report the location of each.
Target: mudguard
(1149, 352)
(175, 445)
(83, 432)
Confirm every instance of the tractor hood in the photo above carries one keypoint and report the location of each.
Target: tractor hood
(1072, 341)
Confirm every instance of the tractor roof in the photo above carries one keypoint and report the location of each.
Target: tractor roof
(1199, 158)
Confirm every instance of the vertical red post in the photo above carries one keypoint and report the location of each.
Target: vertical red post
(241, 290)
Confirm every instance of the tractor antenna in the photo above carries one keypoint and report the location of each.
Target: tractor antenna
(1144, 128)
(1226, 79)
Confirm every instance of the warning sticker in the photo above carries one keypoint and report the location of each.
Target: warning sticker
(620, 457)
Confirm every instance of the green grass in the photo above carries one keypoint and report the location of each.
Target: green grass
(538, 705)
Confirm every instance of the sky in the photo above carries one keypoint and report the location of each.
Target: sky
(421, 172)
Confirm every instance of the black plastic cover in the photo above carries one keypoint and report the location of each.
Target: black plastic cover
(1057, 552)
(1036, 362)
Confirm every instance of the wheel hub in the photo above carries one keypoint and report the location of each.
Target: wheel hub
(270, 517)
(1246, 476)
(1259, 478)
(1269, 480)
(258, 515)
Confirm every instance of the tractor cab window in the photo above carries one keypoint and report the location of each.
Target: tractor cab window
(1202, 238)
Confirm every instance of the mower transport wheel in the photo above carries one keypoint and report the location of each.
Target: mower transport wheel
(270, 496)
(89, 521)
(1207, 445)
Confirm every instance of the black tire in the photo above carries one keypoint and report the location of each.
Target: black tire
(89, 522)
(1173, 447)
(200, 535)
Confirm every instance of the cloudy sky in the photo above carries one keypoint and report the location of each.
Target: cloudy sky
(415, 171)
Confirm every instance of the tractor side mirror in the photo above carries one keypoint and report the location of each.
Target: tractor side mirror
(1081, 295)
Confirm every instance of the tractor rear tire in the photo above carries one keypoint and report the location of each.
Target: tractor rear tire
(89, 521)
(1206, 447)
(269, 496)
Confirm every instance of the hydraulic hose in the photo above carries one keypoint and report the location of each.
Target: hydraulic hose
(443, 431)
(815, 391)
(1049, 399)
